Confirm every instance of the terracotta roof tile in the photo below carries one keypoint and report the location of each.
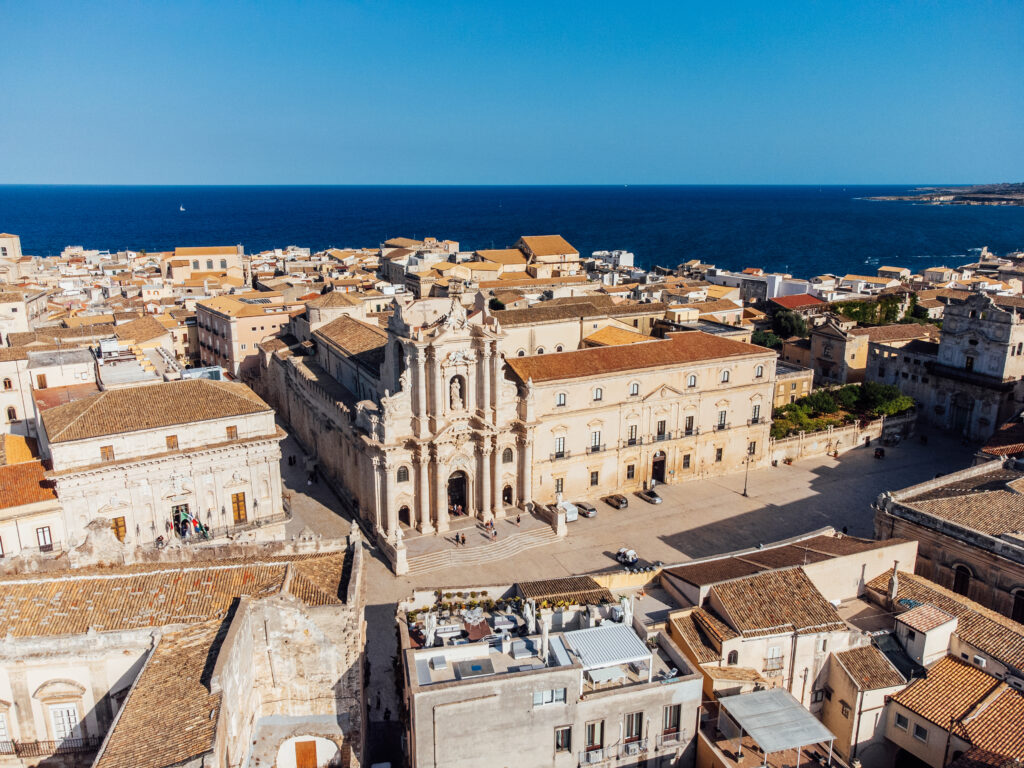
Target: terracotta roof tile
(985, 711)
(547, 245)
(991, 632)
(693, 635)
(776, 602)
(798, 301)
(925, 618)
(869, 668)
(363, 342)
(170, 715)
(149, 407)
(141, 330)
(579, 590)
(678, 350)
(24, 483)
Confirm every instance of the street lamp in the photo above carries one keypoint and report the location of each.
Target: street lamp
(746, 471)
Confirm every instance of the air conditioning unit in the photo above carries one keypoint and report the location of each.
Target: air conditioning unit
(633, 748)
(593, 757)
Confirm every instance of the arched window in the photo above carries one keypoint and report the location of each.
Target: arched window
(402, 475)
(634, 389)
(759, 372)
(540, 350)
(692, 381)
(558, 348)
(725, 376)
(12, 414)
(598, 393)
(734, 658)
(560, 399)
(507, 457)
(961, 579)
(520, 353)
(8, 384)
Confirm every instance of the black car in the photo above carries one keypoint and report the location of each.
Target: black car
(616, 501)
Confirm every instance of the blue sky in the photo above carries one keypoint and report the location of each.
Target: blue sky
(488, 93)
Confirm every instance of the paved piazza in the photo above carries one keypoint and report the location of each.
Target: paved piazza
(696, 519)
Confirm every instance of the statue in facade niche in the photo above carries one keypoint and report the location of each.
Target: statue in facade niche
(456, 394)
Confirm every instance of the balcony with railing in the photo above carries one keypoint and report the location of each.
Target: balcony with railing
(632, 748)
(671, 739)
(596, 448)
(630, 441)
(755, 420)
(772, 664)
(49, 748)
(662, 436)
(593, 756)
(559, 455)
(722, 425)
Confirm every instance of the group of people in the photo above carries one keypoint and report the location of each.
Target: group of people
(490, 529)
(456, 510)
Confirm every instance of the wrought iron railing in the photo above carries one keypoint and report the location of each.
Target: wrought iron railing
(62, 747)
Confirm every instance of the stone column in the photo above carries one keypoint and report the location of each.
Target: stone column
(493, 466)
(484, 472)
(423, 497)
(485, 370)
(390, 509)
(440, 496)
(421, 392)
(437, 390)
(377, 491)
(526, 471)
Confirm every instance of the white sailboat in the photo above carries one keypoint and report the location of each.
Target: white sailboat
(181, 208)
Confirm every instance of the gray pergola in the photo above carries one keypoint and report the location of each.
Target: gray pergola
(774, 720)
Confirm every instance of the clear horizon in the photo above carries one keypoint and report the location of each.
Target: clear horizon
(467, 94)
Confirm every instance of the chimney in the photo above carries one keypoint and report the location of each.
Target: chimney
(894, 583)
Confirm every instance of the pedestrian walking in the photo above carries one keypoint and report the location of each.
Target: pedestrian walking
(519, 519)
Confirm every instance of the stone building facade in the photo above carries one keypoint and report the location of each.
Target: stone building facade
(968, 527)
(434, 414)
(151, 459)
(970, 381)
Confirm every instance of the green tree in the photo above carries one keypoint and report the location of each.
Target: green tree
(786, 324)
(766, 339)
(820, 401)
(494, 304)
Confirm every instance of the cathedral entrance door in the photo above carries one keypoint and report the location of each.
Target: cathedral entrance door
(457, 491)
(658, 467)
(506, 496)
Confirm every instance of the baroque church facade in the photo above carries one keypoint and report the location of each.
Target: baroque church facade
(432, 416)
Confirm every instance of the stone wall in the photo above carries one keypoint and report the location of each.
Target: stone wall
(808, 444)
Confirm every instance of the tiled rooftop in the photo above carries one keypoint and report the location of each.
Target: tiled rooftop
(776, 602)
(143, 596)
(985, 711)
(678, 349)
(150, 407)
(869, 668)
(925, 618)
(991, 632)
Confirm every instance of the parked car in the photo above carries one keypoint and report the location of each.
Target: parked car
(586, 509)
(616, 501)
(627, 556)
(650, 496)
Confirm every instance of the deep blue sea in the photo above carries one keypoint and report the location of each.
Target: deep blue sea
(805, 230)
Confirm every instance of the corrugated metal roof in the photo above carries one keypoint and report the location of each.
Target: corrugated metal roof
(607, 645)
(775, 720)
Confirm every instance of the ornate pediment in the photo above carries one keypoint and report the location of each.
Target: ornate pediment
(664, 391)
(59, 689)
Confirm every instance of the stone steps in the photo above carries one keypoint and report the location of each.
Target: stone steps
(483, 553)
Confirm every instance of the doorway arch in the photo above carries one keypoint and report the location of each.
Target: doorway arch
(458, 491)
(658, 467)
(405, 516)
(506, 496)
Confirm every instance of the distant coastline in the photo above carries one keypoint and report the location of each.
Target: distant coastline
(979, 194)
